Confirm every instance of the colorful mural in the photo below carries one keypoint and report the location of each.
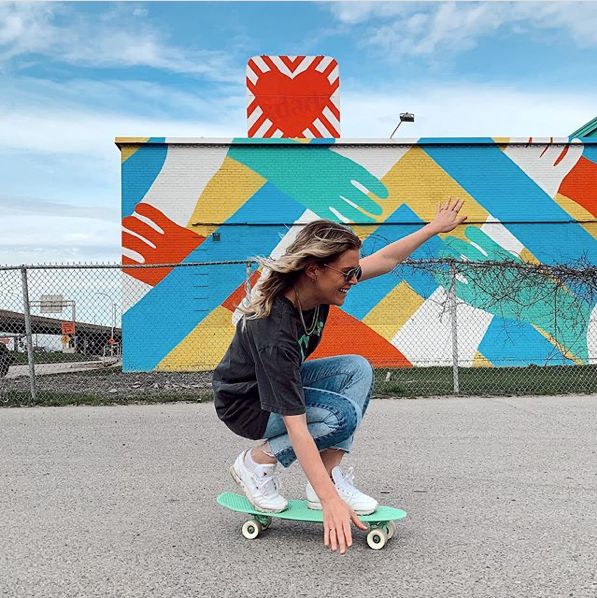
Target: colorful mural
(293, 96)
(532, 200)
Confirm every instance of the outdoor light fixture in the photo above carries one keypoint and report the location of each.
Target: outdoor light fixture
(405, 117)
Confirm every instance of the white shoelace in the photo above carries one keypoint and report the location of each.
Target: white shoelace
(348, 479)
(263, 481)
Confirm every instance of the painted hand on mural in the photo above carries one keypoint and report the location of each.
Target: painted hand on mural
(532, 297)
(547, 163)
(170, 246)
(323, 181)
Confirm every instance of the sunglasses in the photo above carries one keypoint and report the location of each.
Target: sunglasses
(348, 274)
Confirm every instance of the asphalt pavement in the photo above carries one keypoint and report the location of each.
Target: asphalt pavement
(119, 501)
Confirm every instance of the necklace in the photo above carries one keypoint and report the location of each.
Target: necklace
(311, 329)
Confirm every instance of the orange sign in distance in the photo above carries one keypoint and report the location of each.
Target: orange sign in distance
(68, 328)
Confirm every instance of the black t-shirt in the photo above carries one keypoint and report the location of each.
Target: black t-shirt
(260, 373)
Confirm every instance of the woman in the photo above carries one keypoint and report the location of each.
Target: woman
(306, 410)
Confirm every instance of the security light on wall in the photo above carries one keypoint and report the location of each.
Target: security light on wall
(405, 117)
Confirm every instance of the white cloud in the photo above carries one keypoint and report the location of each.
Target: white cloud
(353, 13)
(44, 238)
(60, 169)
(120, 38)
(431, 28)
(32, 205)
(83, 116)
(443, 110)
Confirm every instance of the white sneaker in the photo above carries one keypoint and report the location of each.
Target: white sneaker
(261, 486)
(355, 499)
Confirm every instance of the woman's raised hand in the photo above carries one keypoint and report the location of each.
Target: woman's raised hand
(447, 218)
(337, 519)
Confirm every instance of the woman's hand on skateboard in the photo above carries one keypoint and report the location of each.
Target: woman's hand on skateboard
(337, 517)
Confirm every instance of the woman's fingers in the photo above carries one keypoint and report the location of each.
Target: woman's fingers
(358, 523)
(453, 205)
(338, 537)
(333, 540)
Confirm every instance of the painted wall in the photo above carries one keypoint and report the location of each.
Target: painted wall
(536, 201)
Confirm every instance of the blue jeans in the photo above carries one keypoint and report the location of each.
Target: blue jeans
(337, 392)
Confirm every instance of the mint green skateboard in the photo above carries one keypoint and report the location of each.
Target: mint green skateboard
(382, 524)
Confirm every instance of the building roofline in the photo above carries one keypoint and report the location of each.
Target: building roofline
(128, 141)
(587, 129)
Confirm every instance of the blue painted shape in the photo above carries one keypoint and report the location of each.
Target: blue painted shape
(140, 171)
(489, 176)
(174, 307)
(323, 141)
(590, 153)
(517, 343)
(364, 297)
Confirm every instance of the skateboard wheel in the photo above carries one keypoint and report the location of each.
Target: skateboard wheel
(251, 529)
(390, 529)
(377, 539)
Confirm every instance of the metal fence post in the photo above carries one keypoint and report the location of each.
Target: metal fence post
(454, 323)
(28, 332)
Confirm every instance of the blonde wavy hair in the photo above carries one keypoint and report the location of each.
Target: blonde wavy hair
(318, 242)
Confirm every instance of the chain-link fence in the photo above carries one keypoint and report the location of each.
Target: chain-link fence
(429, 328)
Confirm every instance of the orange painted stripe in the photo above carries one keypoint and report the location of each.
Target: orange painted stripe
(315, 63)
(256, 125)
(270, 131)
(580, 184)
(255, 67)
(328, 125)
(330, 67)
(292, 64)
(561, 156)
(344, 332)
(239, 294)
(333, 109)
(270, 63)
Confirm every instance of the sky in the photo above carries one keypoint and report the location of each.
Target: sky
(75, 75)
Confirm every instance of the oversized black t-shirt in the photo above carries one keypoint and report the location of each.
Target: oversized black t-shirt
(260, 372)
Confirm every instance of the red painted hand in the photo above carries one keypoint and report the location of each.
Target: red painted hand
(170, 246)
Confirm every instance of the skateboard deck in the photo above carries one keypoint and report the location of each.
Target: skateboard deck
(382, 524)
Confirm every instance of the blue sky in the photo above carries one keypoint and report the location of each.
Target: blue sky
(74, 75)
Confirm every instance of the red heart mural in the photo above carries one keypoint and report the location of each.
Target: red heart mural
(293, 96)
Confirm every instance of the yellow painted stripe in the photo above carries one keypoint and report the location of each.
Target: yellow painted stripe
(204, 347)
(125, 140)
(227, 191)
(526, 256)
(127, 151)
(564, 350)
(417, 181)
(393, 311)
(480, 361)
(576, 211)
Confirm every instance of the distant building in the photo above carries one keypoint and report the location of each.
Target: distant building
(587, 130)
